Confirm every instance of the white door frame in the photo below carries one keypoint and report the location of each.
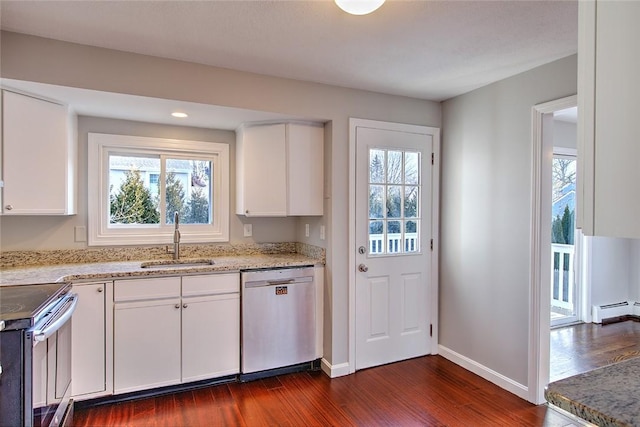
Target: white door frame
(539, 283)
(435, 225)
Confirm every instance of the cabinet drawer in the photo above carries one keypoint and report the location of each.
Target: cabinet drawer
(139, 289)
(210, 284)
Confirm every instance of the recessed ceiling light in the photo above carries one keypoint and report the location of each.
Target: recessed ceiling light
(359, 7)
(179, 114)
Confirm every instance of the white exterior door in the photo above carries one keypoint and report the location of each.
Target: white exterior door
(394, 259)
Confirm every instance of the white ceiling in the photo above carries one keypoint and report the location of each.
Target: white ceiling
(425, 49)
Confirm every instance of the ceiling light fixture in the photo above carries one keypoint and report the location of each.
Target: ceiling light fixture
(179, 114)
(359, 7)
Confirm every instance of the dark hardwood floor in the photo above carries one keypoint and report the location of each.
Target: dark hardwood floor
(426, 391)
(584, 347)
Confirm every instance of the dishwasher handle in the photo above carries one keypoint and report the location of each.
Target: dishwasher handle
(291, 281)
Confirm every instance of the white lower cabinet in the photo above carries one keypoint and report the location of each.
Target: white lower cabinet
(146, 345)
(91, 341)
(210, 337)
(175, 329)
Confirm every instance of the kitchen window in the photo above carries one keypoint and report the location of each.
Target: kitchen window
(137, 184)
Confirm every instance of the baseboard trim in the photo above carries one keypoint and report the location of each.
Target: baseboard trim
(486, 373)
(334, 371)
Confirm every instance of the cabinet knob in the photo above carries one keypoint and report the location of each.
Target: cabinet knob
(100, 289)
(246, 212)
(8, 207)
(184, 306)
(177, 305)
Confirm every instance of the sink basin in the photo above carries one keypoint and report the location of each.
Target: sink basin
(182, 263)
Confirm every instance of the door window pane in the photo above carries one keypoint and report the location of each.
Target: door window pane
(394, 167)
(376, 166)
(411, 166)
(394, 202)
(411, 201)
(376, 201)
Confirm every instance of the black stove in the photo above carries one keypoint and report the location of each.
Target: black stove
(21, 305)
(35, 355)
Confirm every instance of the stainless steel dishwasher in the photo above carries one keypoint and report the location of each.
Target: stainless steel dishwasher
(278, 318)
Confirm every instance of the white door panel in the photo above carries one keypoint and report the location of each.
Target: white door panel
(393, 234)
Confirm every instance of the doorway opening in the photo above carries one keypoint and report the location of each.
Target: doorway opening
(565, 239)
(553, 259)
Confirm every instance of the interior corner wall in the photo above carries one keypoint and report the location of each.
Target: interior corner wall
(634, 275)
(486, 217)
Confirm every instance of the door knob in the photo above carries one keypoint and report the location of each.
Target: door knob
(363, 268)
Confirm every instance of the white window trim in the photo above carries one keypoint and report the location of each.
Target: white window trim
(99, 232)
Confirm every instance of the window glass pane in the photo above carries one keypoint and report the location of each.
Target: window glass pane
(411, 242)
(410, 201)
(394, 204)
(394, 237)
(394, 167)
(133, 198)
(394, 201)
(376, 166)
(376, 201)
(188, 191)
(411, 163)
(376, 237)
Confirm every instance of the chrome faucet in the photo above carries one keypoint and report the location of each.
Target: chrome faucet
(176, 238)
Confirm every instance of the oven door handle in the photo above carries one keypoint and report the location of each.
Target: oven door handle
(68, 306)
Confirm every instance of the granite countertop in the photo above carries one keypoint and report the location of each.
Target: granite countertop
(83, 272)
(607, 396)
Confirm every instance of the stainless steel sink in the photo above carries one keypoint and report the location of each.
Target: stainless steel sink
(183, 263)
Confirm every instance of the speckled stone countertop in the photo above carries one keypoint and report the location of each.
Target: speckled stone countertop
(54, 269)
(608, 396)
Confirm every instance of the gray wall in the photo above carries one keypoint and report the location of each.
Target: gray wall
(47, 61)
(612, 269)
(486, 216)
(565, 134)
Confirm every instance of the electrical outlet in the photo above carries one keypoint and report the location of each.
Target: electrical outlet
(322, 236)
(248, 230)
(306, 230)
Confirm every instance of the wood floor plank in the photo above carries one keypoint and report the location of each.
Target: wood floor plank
(426, 391)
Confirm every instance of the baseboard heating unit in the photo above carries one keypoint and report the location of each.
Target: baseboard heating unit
(616, 312)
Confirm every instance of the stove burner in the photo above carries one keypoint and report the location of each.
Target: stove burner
(11, 307)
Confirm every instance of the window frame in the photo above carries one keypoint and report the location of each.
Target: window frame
(102, 233)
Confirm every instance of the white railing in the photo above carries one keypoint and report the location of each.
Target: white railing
(562, 276)
(394, 243)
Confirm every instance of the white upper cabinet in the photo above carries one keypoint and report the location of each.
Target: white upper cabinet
(38, 159)
(279, 170)
(608, 141)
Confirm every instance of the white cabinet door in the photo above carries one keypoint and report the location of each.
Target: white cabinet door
(38, 157)
(210, 336)
(608, 143)
(146, 344)
(305, 170)
(280, 170)
(261, 171)
(89, 340)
